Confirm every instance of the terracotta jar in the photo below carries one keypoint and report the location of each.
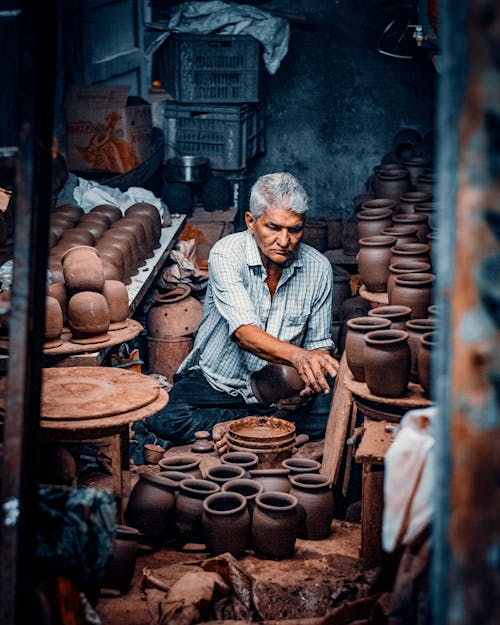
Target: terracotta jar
(397, 315)
(425, 182)
(116, 295)
(177, 314)
(135, 231)
(387, 362)
(78, 236)
(405, 266)
(110, 252)
(73, 210)
(392, 183)
(416, 166)
(247, 487)
(58, 290)
(408, 200)
(315, 234)
(275, 525)
(151, 213)
(357, 328)
(378, 203)
(296, 466)
(121, 567)
(414, 219)
(414, 290)
(150, 507)
(146, 233)
(221, 473)
(82, 269)
(272, 478)
(53, 322)
(372, 222)
(403, 234)
(315, 505)
(97, 227)
(88, 317)
(410, 251)
(188, 508)
(427, 344)
(416, 328)
(182, 463)
(247, 460)
(113, 213)
(373, 261)
(225, 523)
(129, 246)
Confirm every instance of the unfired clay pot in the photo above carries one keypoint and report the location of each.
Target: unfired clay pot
(357, 328)
(58, 290)
(387, 362)
(247, 487)
(410, 251)
(315, 505)
(272, 479)
(275, 525)
(188, 508)
(372, 222)
(408, 200)
(405, 266)
(73, 210)
(116, 295)
(182, 463)
(225, 522)
(113, 213)
(53, 322)
(415, 219)
(224, 473)
(416, 328)
(427, 344)
(414, 290)
(403, 234)
(373, 261)
(88, 317)
(397, 315)
(82, 269)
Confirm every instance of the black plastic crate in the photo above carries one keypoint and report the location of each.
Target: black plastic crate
(227, 135)
(210, 68)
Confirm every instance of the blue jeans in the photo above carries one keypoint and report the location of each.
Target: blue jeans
(194, 405)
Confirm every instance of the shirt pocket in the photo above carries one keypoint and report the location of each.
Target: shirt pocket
(295, 326)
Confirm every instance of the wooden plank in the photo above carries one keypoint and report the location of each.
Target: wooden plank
(372, 508)
(376, 440)
(338, 421)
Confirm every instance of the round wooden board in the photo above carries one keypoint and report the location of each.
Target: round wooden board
(375, 299)
(94, 392)
(413, 398)
(116, 337)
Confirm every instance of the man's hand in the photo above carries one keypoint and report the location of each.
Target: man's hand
(313, 366)
(296, 402)
(219, 432)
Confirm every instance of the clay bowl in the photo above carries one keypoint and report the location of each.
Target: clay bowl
(261, 430)
(253, 446)
(274, 382)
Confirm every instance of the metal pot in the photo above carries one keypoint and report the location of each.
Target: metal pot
(187, 169)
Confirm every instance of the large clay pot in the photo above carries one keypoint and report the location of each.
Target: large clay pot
(88, 317)
(408, 200)
(373, 261)
(247, 487)
(387, 362)
(372, 222)
(403, 234)
(272, 479)
(189, 508)
(392, 183)
(225, 523)
(121, 567)
(150, 507)
(416, 328)
(357, 328)
(405, 266)
(116, 295)
(427, 344)
(414, 219)
(275, 525)
(176, 314)
(315, 234)
(397, 315)
(410, 251)
(165, 355)
(53, 322)
(413, 290)
(315, 505)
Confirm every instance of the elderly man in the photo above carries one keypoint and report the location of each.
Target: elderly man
(269, 299)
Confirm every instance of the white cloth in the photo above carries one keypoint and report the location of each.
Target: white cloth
(408, 479)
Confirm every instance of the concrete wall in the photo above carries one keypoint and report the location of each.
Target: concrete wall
(335, 102)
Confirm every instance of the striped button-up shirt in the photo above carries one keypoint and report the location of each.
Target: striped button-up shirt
(237, 295)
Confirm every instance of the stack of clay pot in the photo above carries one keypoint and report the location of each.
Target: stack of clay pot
(229, 509)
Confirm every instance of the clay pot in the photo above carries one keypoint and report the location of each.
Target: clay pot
(357, 328)
(221, 473)
(112, 253)
(403, 234)
(275, 525)
(274, 382)
(135, 231)
(387, 362)
(151, 213)
(53, 322)
(113, 213)
(416, 328)
(95, 218)
(409, 199)
(72, 210)
(425, 182)
(128, 244)
(413, 290)
(433, 311)
(246, 460)
(341, 289)
(315, 505)
(82, 269)
(297, 466)
(182, 463)
(153, 453)
(96, 224)
(88, 317)
(397, 315)
(407, 266)
(225, 523)
(79, 236)
(414, 219)
(150, 507)
(372, 222)
(188, 508)
(146, 233)
(55, 270)
(272, 479)
(377, 204)
(110, 271)
(427, 344)
(116, 295)
(120, 570)
(247, 487)
(334, 226)
(315, 234)
(427, 208)
(178, 314)
(410, 251)
(392, 183)
(416, 166)
(58, 290)
(166, 354)
(202, 443)
(373, 261)
(63, 219)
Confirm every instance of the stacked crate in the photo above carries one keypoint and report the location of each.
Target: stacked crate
(217, 112)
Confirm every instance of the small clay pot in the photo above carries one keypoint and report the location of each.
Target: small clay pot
(188, 508)
(272, 479)
(414, 219)
(275, 525)
(116, 295)
(373, 261)
(128, 244)
(296, 466)
(410, 251)
(113, 253)
(372, 222)
(414, 290)
(247, 487)
(120, 570)
(405, 266)
(58, 290)
(245, 460)
(392, 183)
(147, 247)
(224, 473)
(82, 269)
(150, 212)
(110, 271)
(225, 522)
(397, 315)
(136, 233)
(408, 200)
(403, 234)
(95, 217)
(202, 443)
(88, 317)
(315, 505)
(274, 382)
(78, 236)
(427, 344)
(387, 362)
(153, 453)
(416, 328)
(378, 203)
(425, 182)
(182, 463)
(357, 328)
(72, 210)
(53, 322)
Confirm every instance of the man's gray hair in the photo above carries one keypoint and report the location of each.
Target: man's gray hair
(272, 190)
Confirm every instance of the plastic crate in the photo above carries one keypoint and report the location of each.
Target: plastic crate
(228, 136)
(210, 68)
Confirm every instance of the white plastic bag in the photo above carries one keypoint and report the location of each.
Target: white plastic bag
(408, 479)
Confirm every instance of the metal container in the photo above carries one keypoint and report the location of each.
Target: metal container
(188, 169)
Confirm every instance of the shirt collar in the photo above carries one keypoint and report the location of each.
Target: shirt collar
(253, 255)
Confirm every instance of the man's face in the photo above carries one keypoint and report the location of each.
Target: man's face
(277, 232)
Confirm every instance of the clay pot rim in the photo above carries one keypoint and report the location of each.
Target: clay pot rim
(309, 463)
(199, 486)
(377, 240)
(275, 495)
(414, 160)
(409, 218)
(127, 532)
(427, 339)
(423, 266)
(227, 496)
(410, 248)
(314, 481)
(170, 462)
(251, 458)
(420, 324)
(380, 202)
(363, 323)
(386, 337)
(425, 196)
(396, 173)
(389, 311)
(244, 481)
(212, 472)
(159, 479)
(79, 247)
(271, 472)
(281, 426)
(374, 214)
(242, 446)
(400, 229)
(433, 309)
(415, 278)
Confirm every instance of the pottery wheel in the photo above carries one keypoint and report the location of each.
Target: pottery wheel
(94, 392)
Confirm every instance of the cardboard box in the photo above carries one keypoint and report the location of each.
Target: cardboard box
(105, 129)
